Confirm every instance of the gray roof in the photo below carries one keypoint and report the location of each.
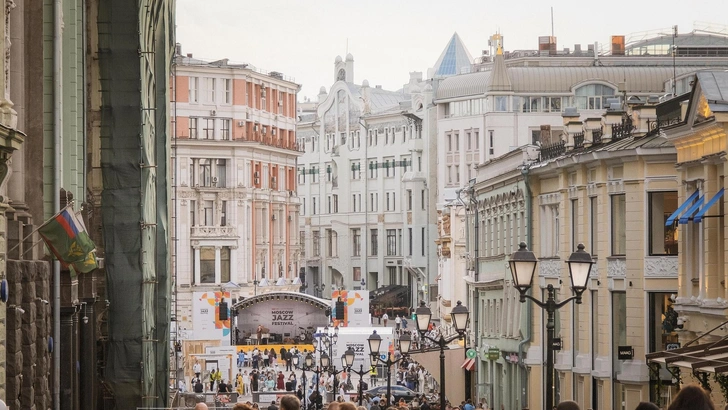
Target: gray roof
(380, 100)
(464, 85)
(714, 85)
(684, 40)
(455, 59)
(563, 79)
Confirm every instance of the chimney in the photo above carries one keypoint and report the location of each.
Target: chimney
(178, 49)
(189, 55)
(592, 131)
(573, 126)
(613, 116)
(378, 87)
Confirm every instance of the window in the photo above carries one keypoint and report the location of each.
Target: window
(356, 274)
(193, 213)
(372, 169)
(422, 198)
(313, 205)
(221, 174)
(336, 203)
(332, 239)
(209, 90)
(205, 172)
(552, 104)
(353, 202)
(593, 225)
(355, 170)
(491, 142)
(225, 130)
(208, 128)
(477, 140)
(422, 241)
(574, 223)
(316, 243)
(391, 242)
(225, 264)
(619, 327)
(457, 142)
(663, 239)
(193, 128)
(209, 207)
(228, 90)
(409, 199)
(449, 142)
(387, 196)
(356, 242)
(223, 214)
(392, 273)
(375, 242)
(449, 174)
(549, 234)
(302, 242)
(619, 225)
(194, 89)
(301, 176)
(207, 264)
(409, 241)
(469, 138)
(457, 173)
(501, 103)
(592, 96)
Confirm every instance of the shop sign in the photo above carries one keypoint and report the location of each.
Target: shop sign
(493, 353)
(556, 343)
(625, 353)
(672, 346)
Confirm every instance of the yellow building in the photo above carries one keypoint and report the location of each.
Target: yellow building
(701, 302)
(609, 183)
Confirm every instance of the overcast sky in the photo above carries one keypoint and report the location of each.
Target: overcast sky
(390, 38)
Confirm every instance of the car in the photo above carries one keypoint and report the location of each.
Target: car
(399, 392)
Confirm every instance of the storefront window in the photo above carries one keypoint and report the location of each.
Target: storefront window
(619, 327)
(662, 336)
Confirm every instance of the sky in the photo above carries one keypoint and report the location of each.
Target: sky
(391, 38)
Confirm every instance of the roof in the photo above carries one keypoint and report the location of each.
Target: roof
(272, 296)
(684, 40)
(563, 79)
(464, 85)
(455, 59)
(379, 100)
(714, 85)
(499, 80)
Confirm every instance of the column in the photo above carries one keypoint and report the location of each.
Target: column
(67, 366)
(236, 274)
(217, 264)
(17, 71)
(197, 264)
(88, 356)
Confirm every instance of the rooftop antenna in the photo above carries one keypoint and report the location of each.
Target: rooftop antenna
(674, 70)
(347, 45)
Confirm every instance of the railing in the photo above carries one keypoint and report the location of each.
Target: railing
(623, 130)
(654, 127)
(578, 140)
(553, 150)
(597, 136)
(213, 231)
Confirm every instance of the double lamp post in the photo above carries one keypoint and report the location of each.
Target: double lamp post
(523, 266)
(459, 316)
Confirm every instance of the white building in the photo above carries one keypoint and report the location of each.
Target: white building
(365, 180)
(235, 204)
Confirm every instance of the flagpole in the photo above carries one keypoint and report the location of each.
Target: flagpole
(38, 228)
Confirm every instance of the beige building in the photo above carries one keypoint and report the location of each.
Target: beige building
(700, 136)
(611, 184)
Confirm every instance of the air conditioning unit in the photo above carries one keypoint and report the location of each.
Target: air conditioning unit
(273, 131)
(280, 103)
(255, 128)
(241, 123)
(213, 113)
(214, 180)
(264, 130)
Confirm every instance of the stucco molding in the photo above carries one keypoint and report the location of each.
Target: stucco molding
(616, 268)
(549, 268)
(661, 266)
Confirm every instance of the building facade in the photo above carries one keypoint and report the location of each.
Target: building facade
(236, 207)
(365, 179)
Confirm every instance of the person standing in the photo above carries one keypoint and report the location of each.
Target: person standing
(213, 377)
(197, 368)
(397, 323)
(288, 356)
(259, 333)
(241, 359)
(281, 381)
(385, 318)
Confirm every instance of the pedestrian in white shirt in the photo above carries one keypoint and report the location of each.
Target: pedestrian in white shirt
(397, 323)
(197, 369)
(385, 318)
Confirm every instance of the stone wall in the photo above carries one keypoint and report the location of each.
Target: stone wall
(28, 329)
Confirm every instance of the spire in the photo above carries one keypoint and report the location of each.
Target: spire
(499, 80)
(455, 59)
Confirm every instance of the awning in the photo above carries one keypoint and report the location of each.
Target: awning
(699, 216)
(708, 357)
(681, 208)
(468, 364)
(685, 218)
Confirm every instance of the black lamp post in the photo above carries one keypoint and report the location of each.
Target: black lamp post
(459, 316)
(326, 342)
(303, 377)
(523, 265)
(375, 342)
(348, 358)
(308, 364)
(255, 287)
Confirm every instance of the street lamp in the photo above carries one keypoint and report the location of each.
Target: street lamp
(325, 348)
(523, 265)
(308, 362)
(459, 316)
(348, 358)
(375, 342)
(303, 376)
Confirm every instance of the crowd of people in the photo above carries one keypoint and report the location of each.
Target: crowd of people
(690, 397)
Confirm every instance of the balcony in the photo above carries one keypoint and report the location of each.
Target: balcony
(554, 150)
(214, 231)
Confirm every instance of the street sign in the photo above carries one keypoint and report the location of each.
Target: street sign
(493, 353)
(471, 354)
(556, 343)
(625, 353)
(672, 346)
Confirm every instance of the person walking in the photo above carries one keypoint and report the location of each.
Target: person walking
(197, 368)
(397, 323)
(385, 318)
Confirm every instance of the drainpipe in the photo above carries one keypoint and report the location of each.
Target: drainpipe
(58, 166)
(527, 339)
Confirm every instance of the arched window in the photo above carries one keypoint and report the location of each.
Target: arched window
(593, 96)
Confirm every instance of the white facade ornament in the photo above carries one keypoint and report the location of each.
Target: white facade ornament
(661, 266)
(550, 267)
(616, 268)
